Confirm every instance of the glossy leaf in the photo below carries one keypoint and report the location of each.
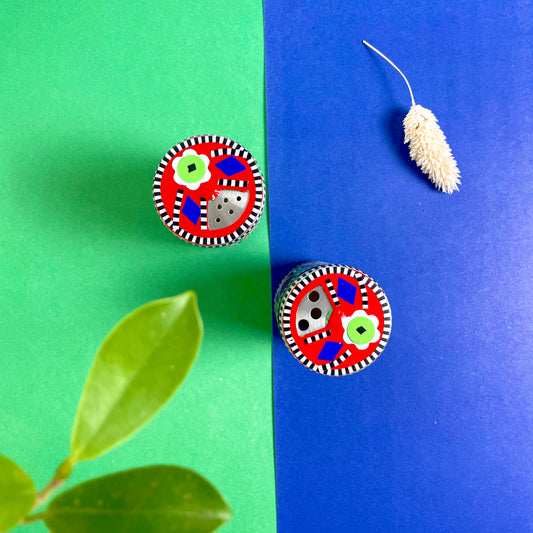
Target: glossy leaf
(136, 371)
(155, 499)
(17, 494)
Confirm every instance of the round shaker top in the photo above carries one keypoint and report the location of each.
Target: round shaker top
(209, 191)
(334, 319)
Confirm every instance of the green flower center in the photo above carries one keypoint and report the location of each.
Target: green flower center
(361, 330)
(191, 168)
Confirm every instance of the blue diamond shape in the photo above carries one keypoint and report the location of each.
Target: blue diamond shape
(346, 291)
(230, 166)
(329, 350)
(191, 210)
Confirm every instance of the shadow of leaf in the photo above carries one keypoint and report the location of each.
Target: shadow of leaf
(234, 300)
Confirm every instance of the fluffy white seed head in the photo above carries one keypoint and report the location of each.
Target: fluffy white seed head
(427, 144)
(429, 150)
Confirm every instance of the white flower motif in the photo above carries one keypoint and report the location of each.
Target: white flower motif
(191, 169)
(360, 329)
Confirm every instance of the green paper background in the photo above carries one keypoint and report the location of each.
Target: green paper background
(92, 96)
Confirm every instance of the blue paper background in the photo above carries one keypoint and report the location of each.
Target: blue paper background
(437, 434)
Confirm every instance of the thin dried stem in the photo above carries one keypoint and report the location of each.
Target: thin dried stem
(389, 61)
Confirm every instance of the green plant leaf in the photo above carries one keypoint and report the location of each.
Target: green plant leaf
(17, 494)
(136, 371)
(155, 499)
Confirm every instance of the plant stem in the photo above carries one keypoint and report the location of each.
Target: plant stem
(62, 473)
(45, 493)
(31, 519)
(389, 61)
(41, 497)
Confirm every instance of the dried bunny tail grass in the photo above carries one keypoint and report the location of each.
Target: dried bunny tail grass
(427, 143)
(429, 150)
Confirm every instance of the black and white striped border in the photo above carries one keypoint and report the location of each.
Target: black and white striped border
(203, 213)
(332, 292)
(249, 225)
(317, 337)
(233, 183)
(286, 300)
(238, 151)
(177, 207)
(328, 368)
(362, 280)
